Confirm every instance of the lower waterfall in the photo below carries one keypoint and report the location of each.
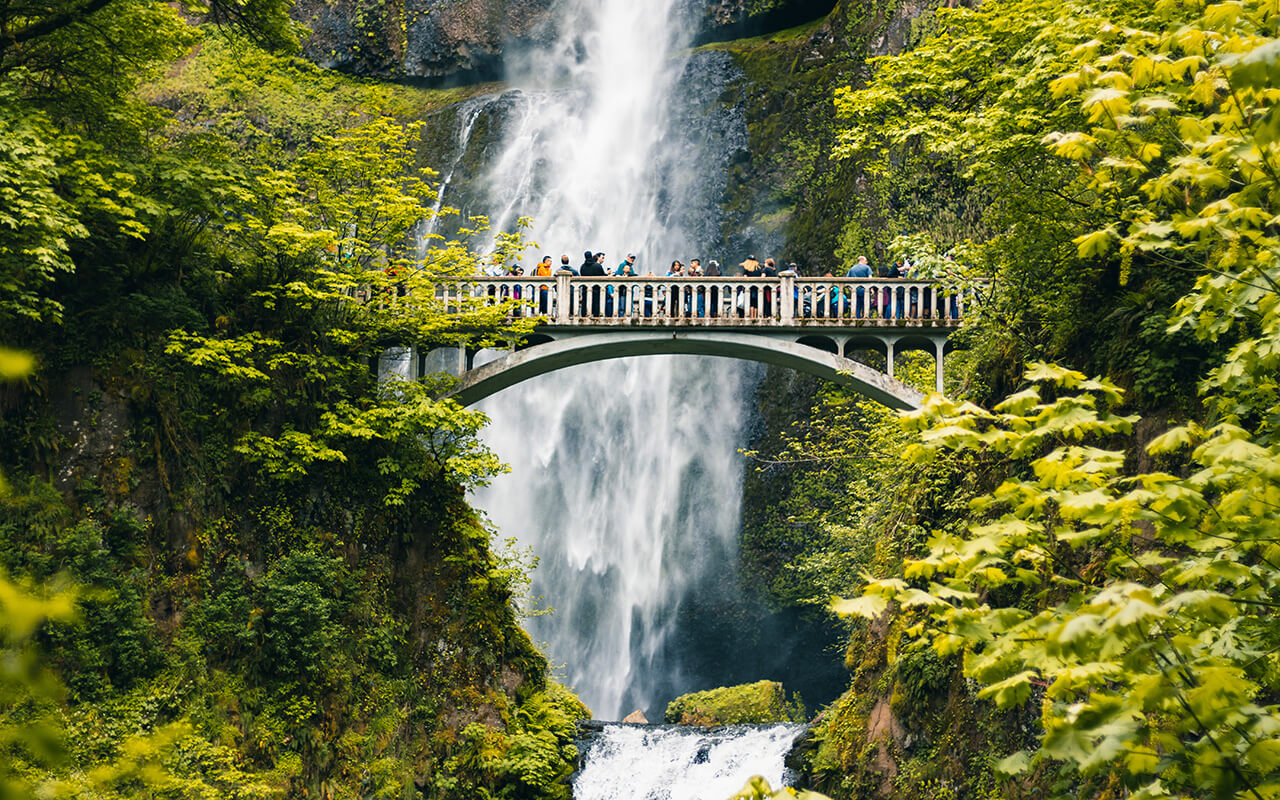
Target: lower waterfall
(626, 762)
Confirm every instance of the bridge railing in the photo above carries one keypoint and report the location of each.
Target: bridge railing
(743, 302)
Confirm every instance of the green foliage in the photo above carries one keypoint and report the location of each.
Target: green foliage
(786, 190)
(829, 497)
(301, 598)
(1181, 144)
(109, 642)
(532, 758)
(284, 592)
(759, 789)
(35, 741)
(1119, 598)
(763, 701)
(68, 129)
(1151, 633)
(272, 102)
(343, 284)
(29, 731)
(958, 125)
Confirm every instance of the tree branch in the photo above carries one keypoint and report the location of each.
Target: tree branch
(52, 24)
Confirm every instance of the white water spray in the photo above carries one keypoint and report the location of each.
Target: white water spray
(637, 763)
(626, 480)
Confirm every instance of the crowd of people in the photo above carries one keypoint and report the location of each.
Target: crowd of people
(648, 299)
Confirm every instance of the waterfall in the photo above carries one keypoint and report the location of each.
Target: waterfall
(626, 480)
(666, 763)
(626, 485)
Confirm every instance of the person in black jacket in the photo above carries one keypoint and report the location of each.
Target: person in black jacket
(713, 271)
(592, 267)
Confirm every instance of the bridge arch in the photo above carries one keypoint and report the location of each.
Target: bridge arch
(569, 351)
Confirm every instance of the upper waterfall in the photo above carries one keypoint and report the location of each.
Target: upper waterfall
(626, 480)
(587, 145)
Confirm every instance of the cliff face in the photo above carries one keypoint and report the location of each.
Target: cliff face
(417, 39)
(786, 195)
(461, 41)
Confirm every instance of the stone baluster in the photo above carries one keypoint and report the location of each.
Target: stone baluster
(563, 299)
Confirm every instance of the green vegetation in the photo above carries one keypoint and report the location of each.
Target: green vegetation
(1094, 553)
(280, 590)
(763, 701)
(233, 564)
(790, 194)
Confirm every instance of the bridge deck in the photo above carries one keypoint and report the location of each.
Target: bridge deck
(810, 324)
(569, 301)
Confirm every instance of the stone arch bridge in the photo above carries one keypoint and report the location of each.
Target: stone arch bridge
(826, 320)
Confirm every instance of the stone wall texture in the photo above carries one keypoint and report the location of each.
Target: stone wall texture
(459, 41)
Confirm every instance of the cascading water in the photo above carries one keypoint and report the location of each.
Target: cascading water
(625, 480)
(625, 762)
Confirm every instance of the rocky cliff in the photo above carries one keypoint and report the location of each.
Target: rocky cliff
(461, 41)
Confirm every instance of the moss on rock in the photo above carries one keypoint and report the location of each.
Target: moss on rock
(763, 701)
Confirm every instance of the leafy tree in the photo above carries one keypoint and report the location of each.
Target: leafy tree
(1135, 606)
(973, 105)
(1151, 632)
(330, 278)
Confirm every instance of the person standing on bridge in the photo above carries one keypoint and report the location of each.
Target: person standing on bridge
(566, 266)
(592, 267)
(833, 298)
(751, 269)
(860, 270)
(898, 270)
(770, 271)
(672, 295)
(543, 270)
(627, 269)
(713, 271)
(699, 292)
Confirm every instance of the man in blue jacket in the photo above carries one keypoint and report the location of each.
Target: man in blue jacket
(860, 270)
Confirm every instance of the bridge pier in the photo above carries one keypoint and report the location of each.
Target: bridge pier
(398, 363)
(452, 360)
(941, 347)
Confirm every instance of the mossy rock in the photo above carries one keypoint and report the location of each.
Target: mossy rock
(763, 701)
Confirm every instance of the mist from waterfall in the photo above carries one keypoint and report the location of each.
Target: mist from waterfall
(625, 480)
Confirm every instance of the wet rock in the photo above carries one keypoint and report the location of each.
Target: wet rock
(465, 41)
(432, 40)
(703, 755)
(636, 717)
(722, 20)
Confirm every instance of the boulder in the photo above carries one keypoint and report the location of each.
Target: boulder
(636, 717)
(764, 701)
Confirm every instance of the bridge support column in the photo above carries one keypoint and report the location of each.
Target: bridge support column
(888, 356)
(941, 347)
(397, 363)
(452, 360)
